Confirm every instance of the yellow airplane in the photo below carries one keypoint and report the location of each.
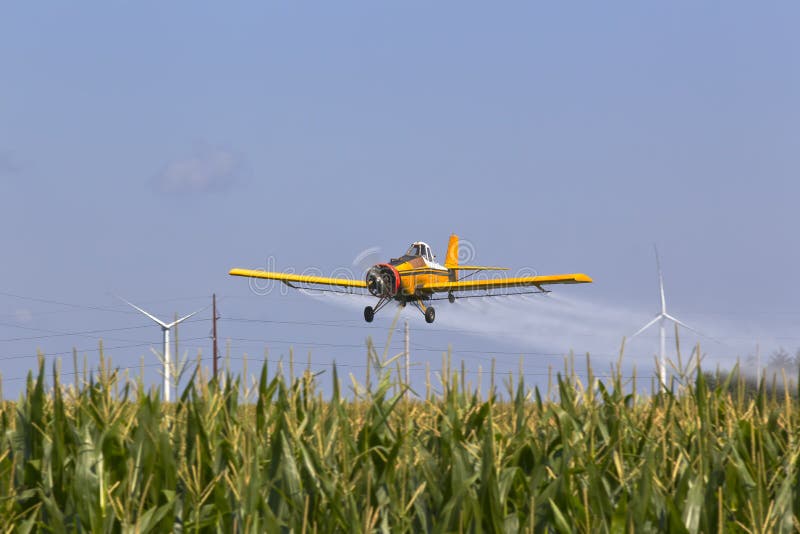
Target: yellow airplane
(416, 276)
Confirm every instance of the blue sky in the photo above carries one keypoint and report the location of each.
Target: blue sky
(146, 148)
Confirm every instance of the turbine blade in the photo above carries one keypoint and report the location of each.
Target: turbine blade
(698, 332)
(681, 323)
(186, 317)
(153, 317)
(660, 281)
(645, 327)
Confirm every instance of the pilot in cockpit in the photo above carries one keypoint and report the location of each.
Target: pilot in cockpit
(421, 250)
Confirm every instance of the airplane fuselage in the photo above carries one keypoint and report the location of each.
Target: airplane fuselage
(415, 273)
(403, 278)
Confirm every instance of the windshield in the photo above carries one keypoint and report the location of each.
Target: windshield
(420, 249)
(414, 250)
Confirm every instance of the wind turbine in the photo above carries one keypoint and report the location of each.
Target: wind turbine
(165, 329)
(662, 318)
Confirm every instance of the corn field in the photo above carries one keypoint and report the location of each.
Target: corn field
(109, 456)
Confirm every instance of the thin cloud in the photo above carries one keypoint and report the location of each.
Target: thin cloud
(208, 170)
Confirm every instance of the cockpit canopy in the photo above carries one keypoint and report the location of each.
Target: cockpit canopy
(420, 249)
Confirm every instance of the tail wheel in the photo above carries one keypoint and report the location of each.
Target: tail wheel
(369, 314)
(430, 314)
(451, 297)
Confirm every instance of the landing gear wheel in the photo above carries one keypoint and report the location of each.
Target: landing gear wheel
(451, 298)
(369, 314)
(430, 315)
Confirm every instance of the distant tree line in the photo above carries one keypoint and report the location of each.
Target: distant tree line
(744, 381)
(779, 360)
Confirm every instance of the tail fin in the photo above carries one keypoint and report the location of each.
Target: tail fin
(451, 259)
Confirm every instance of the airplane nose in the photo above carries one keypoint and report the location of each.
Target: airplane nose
(382, 281)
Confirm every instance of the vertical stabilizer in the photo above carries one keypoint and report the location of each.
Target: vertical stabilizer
(451, 259)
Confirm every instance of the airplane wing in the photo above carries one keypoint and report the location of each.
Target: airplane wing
(500, 283)
(298, 278)
(477, 268)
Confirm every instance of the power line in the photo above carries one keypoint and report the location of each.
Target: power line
(296, 342)
(87, 306)
(56, 333)
(214, 332)
(416, 369)
(61, 353)
(341, 324)
(61, 303)
(418, 347)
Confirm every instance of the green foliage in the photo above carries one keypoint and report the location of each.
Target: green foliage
(111, 457)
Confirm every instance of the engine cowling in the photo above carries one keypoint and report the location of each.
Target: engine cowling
(383, 280)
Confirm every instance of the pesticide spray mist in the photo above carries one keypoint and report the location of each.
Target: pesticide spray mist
(557, 324)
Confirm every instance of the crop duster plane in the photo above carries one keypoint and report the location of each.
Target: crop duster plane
(416, 277)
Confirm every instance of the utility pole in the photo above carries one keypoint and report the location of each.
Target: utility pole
(214, 331)
(408, 360)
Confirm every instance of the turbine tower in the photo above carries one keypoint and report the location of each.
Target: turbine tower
(165, 329)
(662, 318)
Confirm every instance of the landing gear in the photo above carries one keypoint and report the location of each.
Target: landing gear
(451, 297)
(369, 311)
(430, 314)
(427, 311)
